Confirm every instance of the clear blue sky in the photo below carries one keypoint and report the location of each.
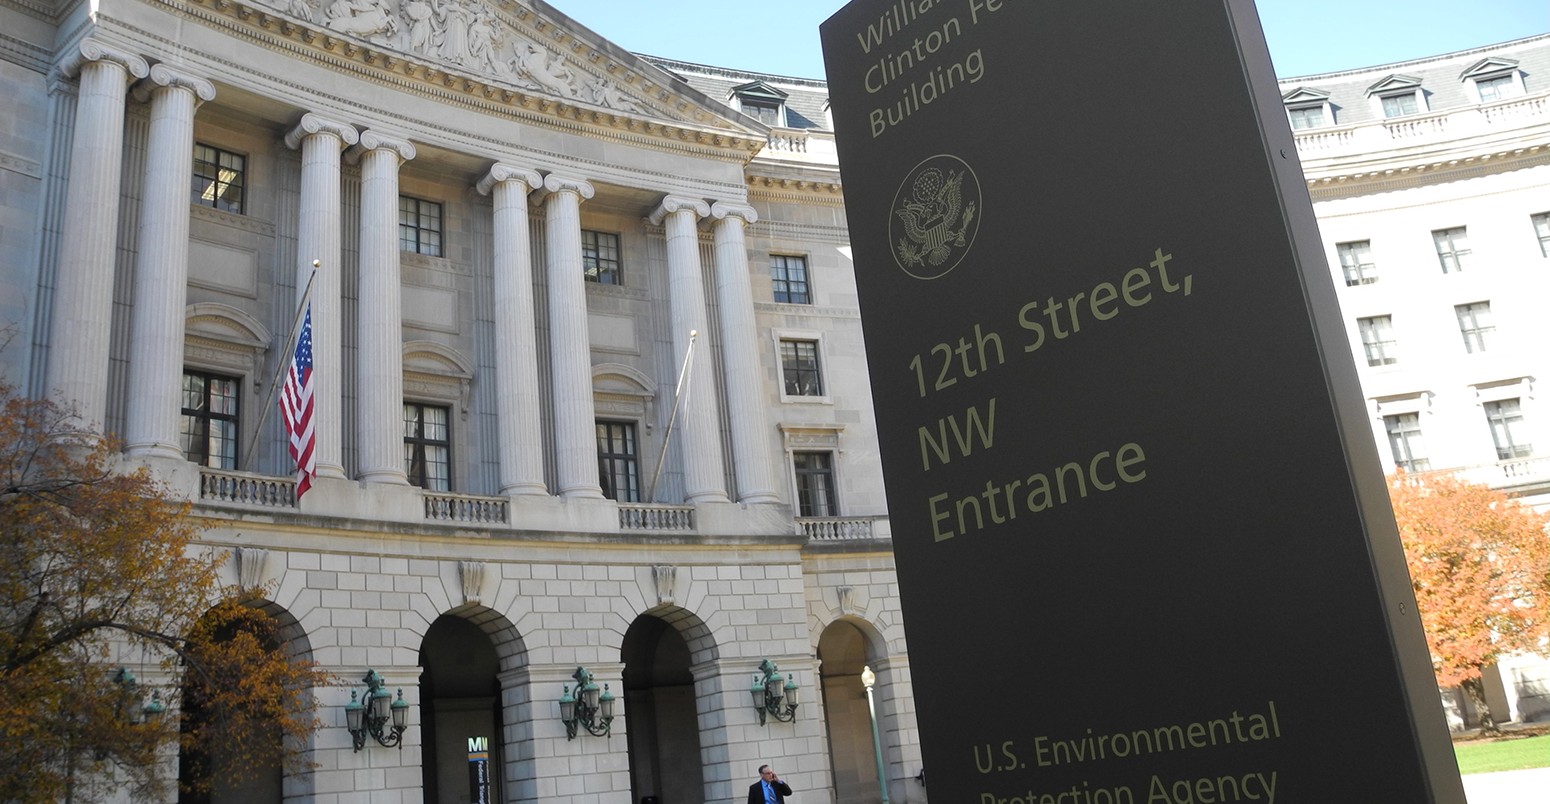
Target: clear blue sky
(1305, 36)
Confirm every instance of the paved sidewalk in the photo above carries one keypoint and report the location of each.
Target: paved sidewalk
(1508, 787)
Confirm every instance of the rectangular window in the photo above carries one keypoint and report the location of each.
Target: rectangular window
(210, 419)
(1309, 117)
(1542, 231)
(1506, 420)
(788, 279)
(799, 368)
(419, 226)
(600, 258)
(1378, 340)
(220, 178)
(428, 446)
(766, 113)
(1452, 249)
(1475, 325)
(1409, 451)
(1399, 105)
(1356, 261)
(815, 484)
(1495, 89)
(618, 464)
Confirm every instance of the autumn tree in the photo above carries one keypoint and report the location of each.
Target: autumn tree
(100, 566)
(1480, 564)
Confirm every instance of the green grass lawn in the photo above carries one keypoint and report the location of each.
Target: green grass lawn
(1502, 755)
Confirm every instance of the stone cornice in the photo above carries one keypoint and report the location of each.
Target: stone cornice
(688, 127)
(1418, 174)
(796, 190)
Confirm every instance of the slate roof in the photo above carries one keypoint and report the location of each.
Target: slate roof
(806, 97)
(1441, 78)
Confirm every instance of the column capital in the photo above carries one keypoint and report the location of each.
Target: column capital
(315, 124)
(678, 203)
(173, 78)
(557, 183)
(502, 172)
(375, 139)
(722, 210)
(91, 50)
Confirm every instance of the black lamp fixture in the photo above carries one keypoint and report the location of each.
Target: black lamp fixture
(130, 697)
(774, 695)
(590, 708)
(372, 713)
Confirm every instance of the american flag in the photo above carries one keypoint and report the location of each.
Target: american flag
(296, 408)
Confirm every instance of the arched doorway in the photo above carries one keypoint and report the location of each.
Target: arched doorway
(460, 697)
(843, 650)
(659, 700)
(227, 756)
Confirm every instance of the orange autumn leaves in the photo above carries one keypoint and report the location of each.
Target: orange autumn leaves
(1480, 565)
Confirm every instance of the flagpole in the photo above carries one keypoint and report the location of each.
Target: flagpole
(282, 365)
(667, 438)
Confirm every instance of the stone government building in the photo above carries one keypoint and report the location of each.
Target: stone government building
(518, 227)
(524, 233)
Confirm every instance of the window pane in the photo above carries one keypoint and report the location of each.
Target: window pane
(1452, 249)
(419, 226)
(799, 368)
(1404, 431)
(1398, 105)
(1378, 340)
(788, 279)
(218, 178)
(1311, 117)
(210, 419)
(1475, 324)
(428, 446)
(1505, 418)
(1356, 262)
(617, 466)
(815, 483)
(1542, 231)
(600, 258)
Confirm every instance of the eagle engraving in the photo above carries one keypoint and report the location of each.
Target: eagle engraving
(934, 208)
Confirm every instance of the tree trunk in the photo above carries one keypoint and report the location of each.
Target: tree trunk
(1475, 689)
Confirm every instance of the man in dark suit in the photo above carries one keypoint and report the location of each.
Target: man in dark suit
(769, 789)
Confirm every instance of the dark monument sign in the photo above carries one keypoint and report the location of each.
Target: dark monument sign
(1142, 534)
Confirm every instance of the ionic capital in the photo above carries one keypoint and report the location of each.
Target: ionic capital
(313, 124)
(171, 78)
(375, 140)
(722, 210)
(501, 172)
(678, 203)
(556, 183)
(91, 50)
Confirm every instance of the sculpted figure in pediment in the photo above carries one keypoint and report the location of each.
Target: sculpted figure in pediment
(545, 69)
(368, 19)
(606, 93)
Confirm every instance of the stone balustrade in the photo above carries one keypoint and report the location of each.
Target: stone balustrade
(643, 516)
(246, 488)
(836, 528)
(443, 507)
(1406, 139)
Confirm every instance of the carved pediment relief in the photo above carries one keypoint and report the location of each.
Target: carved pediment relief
(509, 44)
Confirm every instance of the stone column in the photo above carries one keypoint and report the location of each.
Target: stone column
(740, 365)
(379, 358)
(161, 267)
(318, 238)
(516, 340)
(570, 352)
(699, 429)
(82, 314)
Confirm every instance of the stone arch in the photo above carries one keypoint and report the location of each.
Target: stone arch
(436, 372)
(671, 674)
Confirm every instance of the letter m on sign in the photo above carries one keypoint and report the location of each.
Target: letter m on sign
(478, 744)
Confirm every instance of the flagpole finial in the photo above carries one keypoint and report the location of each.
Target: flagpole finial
(694, 333)
(316, 264)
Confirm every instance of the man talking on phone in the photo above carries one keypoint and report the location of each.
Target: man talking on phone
(769, 789)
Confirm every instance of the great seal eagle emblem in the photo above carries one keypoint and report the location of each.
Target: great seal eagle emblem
(934, 216)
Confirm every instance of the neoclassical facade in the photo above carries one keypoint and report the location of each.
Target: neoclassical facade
(590, 385)
(1431, 183)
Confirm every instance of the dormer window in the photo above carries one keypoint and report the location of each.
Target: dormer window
(762, 102)
(1494, 79)
(1398, 96)
(1308, 108)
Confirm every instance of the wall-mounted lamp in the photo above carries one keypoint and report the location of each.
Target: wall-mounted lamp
(372, 715)
(130, 697)
(774, 695)
(589, 708)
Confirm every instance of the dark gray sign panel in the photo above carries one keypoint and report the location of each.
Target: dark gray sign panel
(1143, 541)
